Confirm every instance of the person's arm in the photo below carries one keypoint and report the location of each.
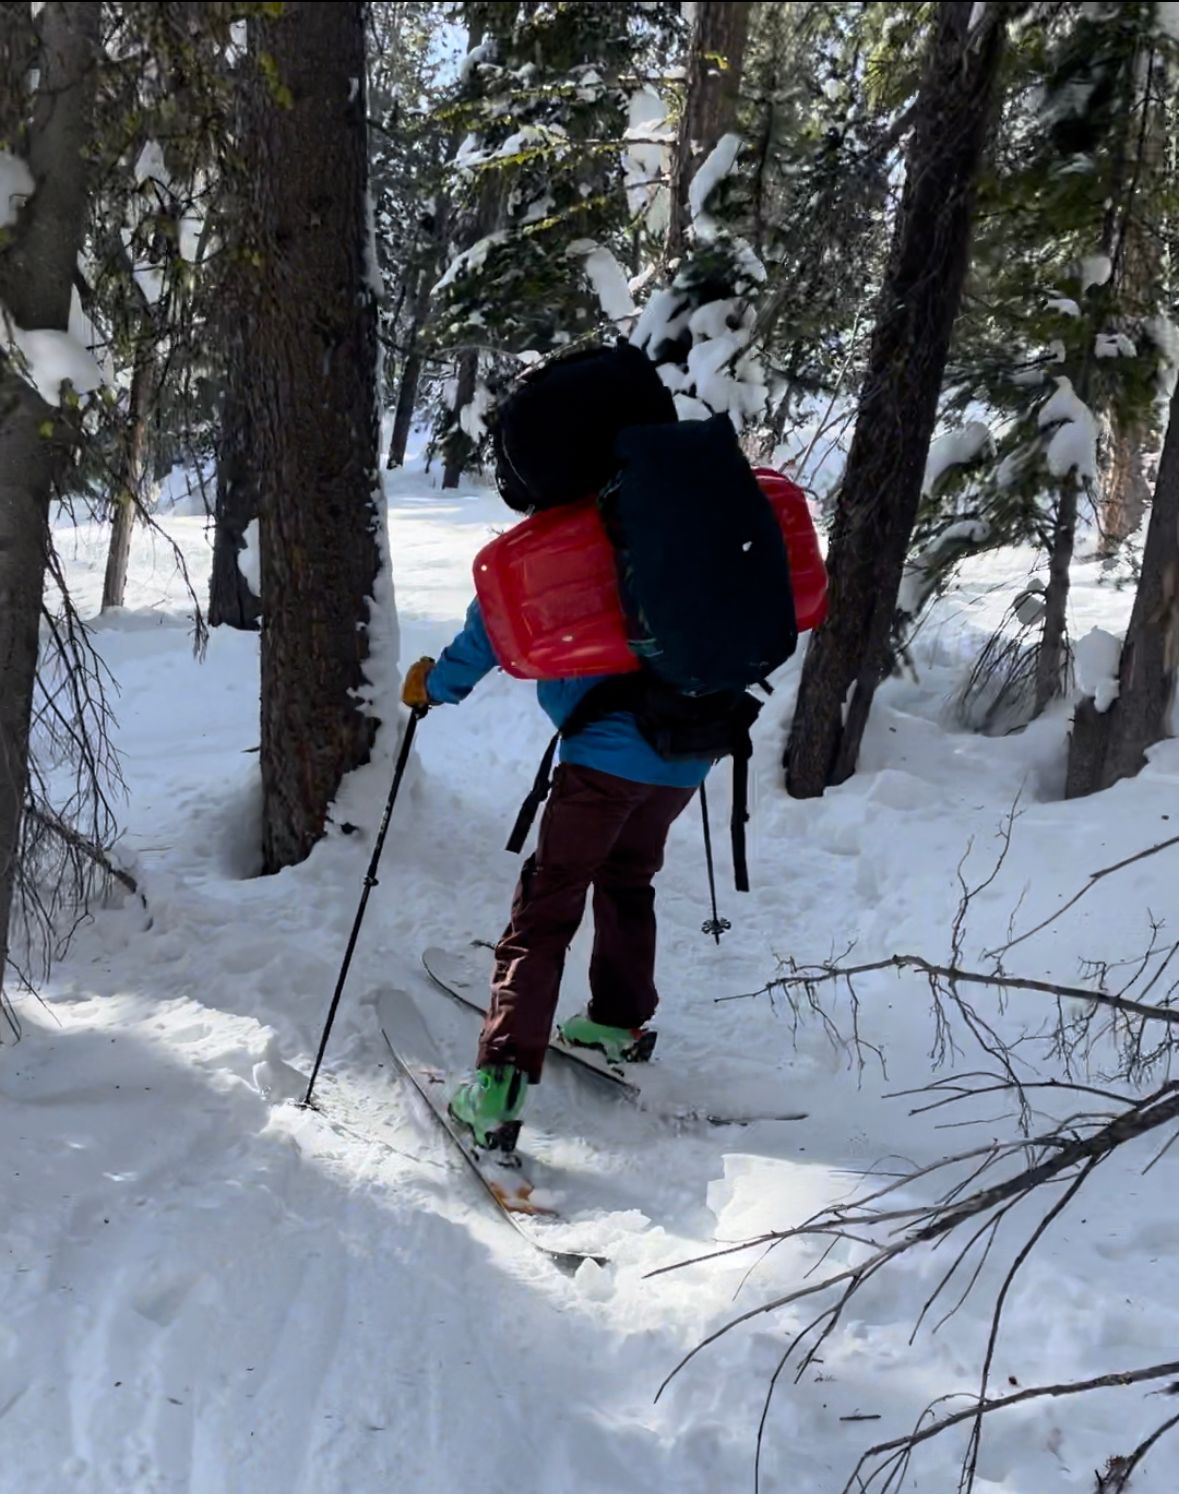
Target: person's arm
(460, 667)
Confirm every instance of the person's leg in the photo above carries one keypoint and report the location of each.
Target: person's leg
(622, 970)
(584, 817)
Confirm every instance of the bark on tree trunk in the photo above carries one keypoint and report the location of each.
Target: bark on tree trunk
(407, 398)
(231, 602)
(411, 371)
(311, 404)
(898, 407)
(127, 503)
(458, 448)
(1111, 745)
(36, 276)
(1052, 660)
(719, 32)
(1125, 492)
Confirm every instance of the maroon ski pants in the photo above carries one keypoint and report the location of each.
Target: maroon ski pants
(597, 830)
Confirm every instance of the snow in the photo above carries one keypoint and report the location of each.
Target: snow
(148, 277)
(711, 172)
(470, 260)
(249, 558)
(1064, 304)
(1095, 270)
(51, 358)
(484, 52)
(209, 1288)
(473, 415)
(954, 449)
(16, 184)
(662, 319)
(1167, 18)
(919, 577)
(1073, 444)
(646, 158)
(85, 333)
(1114, 345)
(607, 277)
(1097, 660)
(149, 165)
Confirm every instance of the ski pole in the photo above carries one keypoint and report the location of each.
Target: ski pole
(370, 881)
(715, 926)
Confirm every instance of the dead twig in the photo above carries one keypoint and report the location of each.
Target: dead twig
(812, 975)
(1094, 879)
(78, 842)
(1001, 1403)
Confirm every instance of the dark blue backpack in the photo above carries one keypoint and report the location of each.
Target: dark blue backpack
(704, 579)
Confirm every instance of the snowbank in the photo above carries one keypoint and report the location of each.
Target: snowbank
(209, 1288)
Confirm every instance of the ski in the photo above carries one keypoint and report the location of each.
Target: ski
(509, 1188)
(459, 979)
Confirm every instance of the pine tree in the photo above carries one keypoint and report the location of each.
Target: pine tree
(311, 407)
(898, 404)
(540, 217)
(1060, 332)
(410, 144)
(1109, 745)
(699, 328)
(716, 62)
(51, 131)
(828, 88)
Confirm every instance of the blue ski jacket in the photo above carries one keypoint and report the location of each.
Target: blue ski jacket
(613, 744)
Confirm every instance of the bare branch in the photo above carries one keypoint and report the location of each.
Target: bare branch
(1001, 1403)
(1094, 878)
(812, 975)
(88, 848)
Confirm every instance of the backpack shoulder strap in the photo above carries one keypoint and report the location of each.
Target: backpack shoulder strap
(537, 794)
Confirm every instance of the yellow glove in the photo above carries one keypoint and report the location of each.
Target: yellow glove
(413, 692)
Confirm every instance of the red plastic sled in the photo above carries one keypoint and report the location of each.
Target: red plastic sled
(549, 593)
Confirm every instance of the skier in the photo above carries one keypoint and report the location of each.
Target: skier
(605, 825)
(704, 584)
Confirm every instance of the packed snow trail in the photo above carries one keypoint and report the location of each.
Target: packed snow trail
(213, 1291)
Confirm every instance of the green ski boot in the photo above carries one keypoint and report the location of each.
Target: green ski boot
(489, 1106)
(618, 1044)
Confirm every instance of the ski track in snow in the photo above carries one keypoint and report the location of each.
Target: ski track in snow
(209, 1289)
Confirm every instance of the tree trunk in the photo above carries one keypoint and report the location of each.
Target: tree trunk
(1138, 248)
(128, 502)
(36, 443)
(411, 369)
(1125, 491)
(311, 407)
(458, 449)
(407, 399)
(236, 506)
(719, 31)
(1111, 745)
(898, 406)
(1052, 659)
(232, 603)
